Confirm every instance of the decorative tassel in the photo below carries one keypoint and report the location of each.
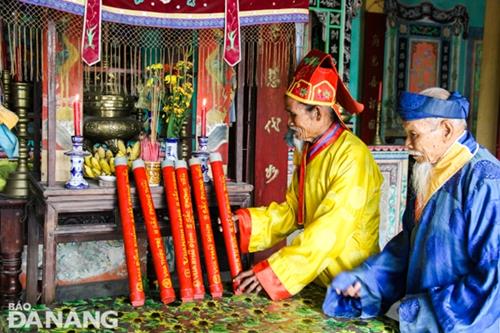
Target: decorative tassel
(25, 54)
(39, 53)
(2, 56)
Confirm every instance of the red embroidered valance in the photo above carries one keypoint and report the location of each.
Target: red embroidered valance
(187, 14)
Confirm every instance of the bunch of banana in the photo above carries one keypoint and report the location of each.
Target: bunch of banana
(102, 161)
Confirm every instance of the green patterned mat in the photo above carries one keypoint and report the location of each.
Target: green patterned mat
(247, 313)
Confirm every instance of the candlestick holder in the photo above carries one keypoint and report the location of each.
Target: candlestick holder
(203, 154)
(377, 140)
(76, 181)
(21, 101)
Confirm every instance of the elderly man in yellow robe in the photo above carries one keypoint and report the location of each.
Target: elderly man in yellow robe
(334, 196)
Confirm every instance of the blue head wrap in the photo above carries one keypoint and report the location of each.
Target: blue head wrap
(415, 106)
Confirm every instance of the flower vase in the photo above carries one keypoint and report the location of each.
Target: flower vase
(171, 145)
(76, 181)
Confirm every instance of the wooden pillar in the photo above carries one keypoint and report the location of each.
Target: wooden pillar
(51, 103)
(11, 248)
(489, 99)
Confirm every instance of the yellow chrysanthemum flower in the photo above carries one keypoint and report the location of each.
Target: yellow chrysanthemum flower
(171, 79)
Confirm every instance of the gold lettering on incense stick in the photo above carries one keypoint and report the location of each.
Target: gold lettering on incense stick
(176, 197)
(185, 257)
(130, 212)
(234, 243)
(147, 192)
(203, 195)
(210, 240)
(205, 213)
(189, 224)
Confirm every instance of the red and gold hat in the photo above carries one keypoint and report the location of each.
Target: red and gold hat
(317, 82)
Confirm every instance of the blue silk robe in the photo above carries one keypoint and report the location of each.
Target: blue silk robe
(444, 266)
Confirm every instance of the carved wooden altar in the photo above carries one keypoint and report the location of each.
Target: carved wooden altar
(58, 26)
(52, 202)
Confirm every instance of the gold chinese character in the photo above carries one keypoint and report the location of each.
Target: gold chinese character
(271, 173)
(372, 103)
(273, 123)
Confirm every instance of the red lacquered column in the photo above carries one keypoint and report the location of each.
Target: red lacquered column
(181, 174)
(228, 230)
(129, 236)
(207, 236)
(175, 215)
(167, 294)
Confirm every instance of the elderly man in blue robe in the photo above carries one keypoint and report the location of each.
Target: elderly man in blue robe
(443, 266)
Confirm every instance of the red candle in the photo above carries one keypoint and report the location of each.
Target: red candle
(77, 116)
(189, 228)
(228, 230)
(167, 294)
(207, 236)
(175, 215)
(379, 100)
(129, 236)
(204, 117)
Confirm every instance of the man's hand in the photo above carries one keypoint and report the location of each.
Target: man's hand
(235, 222)
(247, 282)
(352, 291)
(347, 284)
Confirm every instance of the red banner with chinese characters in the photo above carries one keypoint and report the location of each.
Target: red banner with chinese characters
(373, 73)
(91, 35)
(271, 160)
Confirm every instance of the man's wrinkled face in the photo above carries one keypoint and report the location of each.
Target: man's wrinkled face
(425, 139)
(300, 120)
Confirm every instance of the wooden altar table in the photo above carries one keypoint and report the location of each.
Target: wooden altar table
(51, 202)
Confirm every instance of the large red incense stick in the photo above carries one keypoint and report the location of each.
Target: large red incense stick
(207, 236)
(189, 228)
(156, 246)
(129, 236)
(228, 229)
(175, 215)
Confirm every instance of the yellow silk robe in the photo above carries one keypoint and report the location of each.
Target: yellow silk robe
(341, 220)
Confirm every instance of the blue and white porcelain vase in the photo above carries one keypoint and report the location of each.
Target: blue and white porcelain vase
(171, 148)
(203, 155)
(76, 180)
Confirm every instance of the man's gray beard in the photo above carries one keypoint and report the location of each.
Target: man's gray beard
(420, 178)
(299, 144)
(293, 141)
